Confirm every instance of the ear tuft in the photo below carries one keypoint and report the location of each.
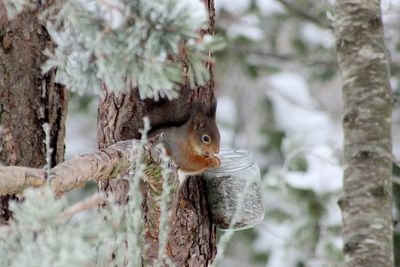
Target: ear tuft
(198, 122)
(213, 108)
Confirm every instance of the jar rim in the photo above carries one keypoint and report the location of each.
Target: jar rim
(233, 160)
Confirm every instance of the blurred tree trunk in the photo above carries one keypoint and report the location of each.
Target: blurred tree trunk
(192, 236)
(396, 201)
(367, 202)
(28, 99)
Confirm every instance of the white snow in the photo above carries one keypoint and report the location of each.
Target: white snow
(236, 7)
(275, 237)
(309, 130)
(226, 111)
(296, 112)
(81, 134)
(269, 7)
(323, 173)
(111, 10)
(318, 36)
(226, 118)
(390, 6)
(247, 26)
(333, 215)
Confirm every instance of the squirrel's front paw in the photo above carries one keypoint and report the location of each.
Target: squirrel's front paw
(216, 162)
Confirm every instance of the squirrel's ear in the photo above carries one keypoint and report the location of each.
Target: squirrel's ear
(198, 122)
(213, 108)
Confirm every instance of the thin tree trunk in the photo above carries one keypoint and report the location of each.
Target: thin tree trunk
(192, 236)
(367, 202)
(28, 99)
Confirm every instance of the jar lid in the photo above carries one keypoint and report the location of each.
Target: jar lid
(233, 160)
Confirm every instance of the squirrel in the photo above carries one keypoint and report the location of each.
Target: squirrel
(193, 145)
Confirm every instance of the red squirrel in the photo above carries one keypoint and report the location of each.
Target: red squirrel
(193, 145)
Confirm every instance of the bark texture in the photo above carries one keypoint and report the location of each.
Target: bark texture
(27, 98)
(367, 202)
(192, 236)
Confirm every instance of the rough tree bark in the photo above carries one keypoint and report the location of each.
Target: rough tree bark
(27, 98)
(192, 236)
(366, 205)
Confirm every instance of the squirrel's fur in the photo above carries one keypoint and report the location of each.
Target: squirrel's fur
(193, 146)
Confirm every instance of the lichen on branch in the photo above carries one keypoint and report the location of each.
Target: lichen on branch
(102, 164)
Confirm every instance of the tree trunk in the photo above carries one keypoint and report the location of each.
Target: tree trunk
(192, 236)
(28, 99)
(367, 202)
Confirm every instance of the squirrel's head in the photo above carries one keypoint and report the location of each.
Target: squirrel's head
(204, 135)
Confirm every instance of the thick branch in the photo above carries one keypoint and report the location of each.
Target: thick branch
(99, 165)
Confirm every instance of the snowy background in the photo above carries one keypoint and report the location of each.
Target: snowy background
(278, 91)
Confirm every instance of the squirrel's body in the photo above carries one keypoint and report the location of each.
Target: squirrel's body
(192, 146)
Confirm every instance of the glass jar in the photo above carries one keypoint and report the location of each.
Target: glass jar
(234, 191)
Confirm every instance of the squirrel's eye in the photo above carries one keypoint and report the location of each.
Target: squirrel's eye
(206, 139)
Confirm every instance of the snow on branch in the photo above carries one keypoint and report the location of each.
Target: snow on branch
(99, 165)
(152, 45)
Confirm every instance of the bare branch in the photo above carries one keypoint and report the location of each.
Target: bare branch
(396, 161)
(305, 15)
(74, 173)
(396, 180)
(14, 179)
(88, 203)
(310, 60)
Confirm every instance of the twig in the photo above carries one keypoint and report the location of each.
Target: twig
(330, 62)
(303, 14)
(396, 180)
(396, 161)
(88, 203)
